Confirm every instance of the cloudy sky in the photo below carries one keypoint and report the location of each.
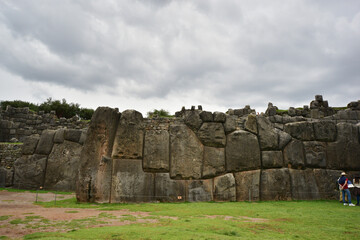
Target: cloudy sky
(154, 54)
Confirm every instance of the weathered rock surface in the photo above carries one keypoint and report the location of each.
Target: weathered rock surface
(62, 166)
(294, 154)
(212, 134)
(214, 162)
(192, 120)
(247, 185)
(325, 131)
(275, 184)
(242, 151)
(326, 181)
(219, 117)
(169, 190)
(200, 190)
(156, 151)
(303, 185)
(130, 183)
(272, 159)
(284, 138)
(72, 135)
(224, 188)
(129, 136)
(300, 130)
(30, 144)
(230, 124)
(45, 143)
(206, 116)
(269, 139)
(59, 135)
(315, 154)
(250, 124)
(94, 180)
(186, 153)
(29, 171)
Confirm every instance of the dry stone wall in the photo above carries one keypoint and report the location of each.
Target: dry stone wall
(204, 156)
(18, 123)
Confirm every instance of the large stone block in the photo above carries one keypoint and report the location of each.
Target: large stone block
(193, 120)
(242, 151)
(72, 135)
(30, 144)
(63, 166)
(30, 171)
(327, 183)
(129, 136)
(250, 124)
(59, 135)
(186, 153)
(294, 154)
(269, 139)
(214, 162)
(284, 138)
(94, 182)
(300, 130)
(315, 154)
(212, 134)
(156, 151)
(224, 188)
(247, 185)
(230, 124)
(275, 184)
(345, 152)
(219, 117)
(130, 183)
(6, 177)
(303, 185)
(169, 190)
(272, 159)
(200, 191)
(45, 143)
(325, 131)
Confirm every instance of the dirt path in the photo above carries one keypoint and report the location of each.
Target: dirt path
(19, 216)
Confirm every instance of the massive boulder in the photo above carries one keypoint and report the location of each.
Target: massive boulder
(62, 166)
(129, 136)
(156, 151)
(200, 191)
(275, 184)
(294, 154)
(269, 139)
(315, 154)
(325, 131)
(247, 185)
(301, 130)
(250, 124)
(94, 179)
(30, 144)
(186, 153)
(242, 151)
(193, 120)
(345, 152)
(30, 171)
(212, 134)
(303, 185)
(214, 162)
(272, 159)
(45, 143)
(130, 183)
(169, 190)
(224, 188)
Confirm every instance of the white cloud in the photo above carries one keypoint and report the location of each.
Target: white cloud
(166, 54)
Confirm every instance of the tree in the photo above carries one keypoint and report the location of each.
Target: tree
(158, 113)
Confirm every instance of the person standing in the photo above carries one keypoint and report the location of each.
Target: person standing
(343, 182)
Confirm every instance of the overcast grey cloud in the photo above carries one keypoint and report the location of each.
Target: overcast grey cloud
(166, 54)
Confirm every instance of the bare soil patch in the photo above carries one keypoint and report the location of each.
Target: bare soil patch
(19, 216)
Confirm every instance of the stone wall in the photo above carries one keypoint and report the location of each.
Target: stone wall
(8, 155)
(49, 160)
(18, 123)
(204, 156)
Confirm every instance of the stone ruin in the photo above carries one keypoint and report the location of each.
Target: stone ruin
(197, 155)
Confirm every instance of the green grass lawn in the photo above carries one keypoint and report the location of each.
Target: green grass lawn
(230, 220)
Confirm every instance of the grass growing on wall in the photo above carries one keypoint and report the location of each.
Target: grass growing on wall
(244, 220)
